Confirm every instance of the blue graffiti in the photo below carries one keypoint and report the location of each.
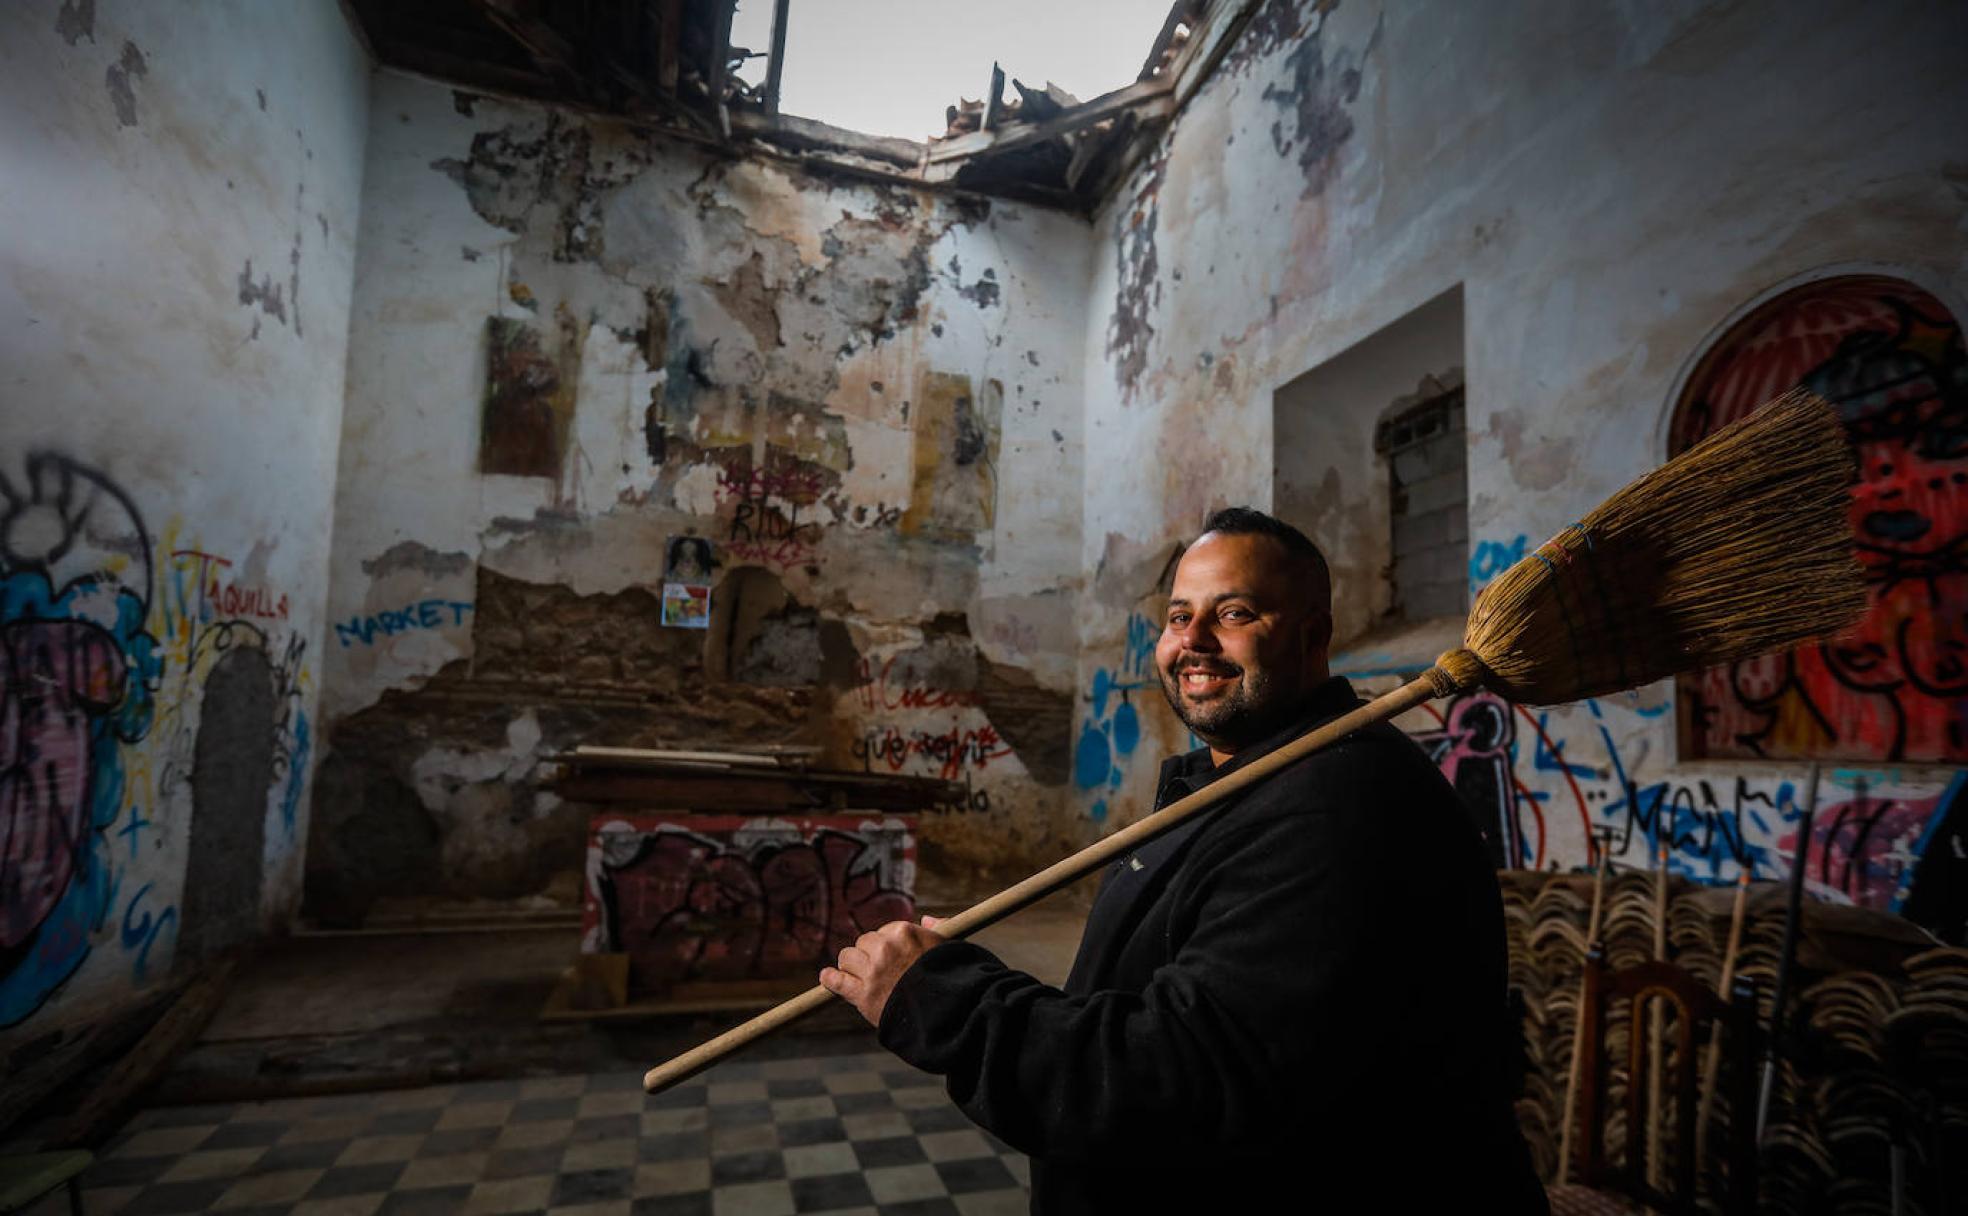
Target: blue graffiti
(1111, 732)
(297, 767)
(134, 828)
(78, 680)
(425, 614)
(140, 936)
(1490, 558)
(1552, 759)
(1139, 657)
(1092, 758)
(1703, 836)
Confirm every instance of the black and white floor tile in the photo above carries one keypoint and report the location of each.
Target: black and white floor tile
(860, 1133)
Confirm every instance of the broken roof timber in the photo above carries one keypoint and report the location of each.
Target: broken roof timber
(1149, 99)
(665, 63)
(806, 135)
(1218, 29)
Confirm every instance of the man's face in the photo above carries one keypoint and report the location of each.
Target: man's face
(1240, 647)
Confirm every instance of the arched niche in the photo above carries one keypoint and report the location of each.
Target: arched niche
(1893, 689)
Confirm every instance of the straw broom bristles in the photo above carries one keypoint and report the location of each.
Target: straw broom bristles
(1740, 546)
(1737, 547)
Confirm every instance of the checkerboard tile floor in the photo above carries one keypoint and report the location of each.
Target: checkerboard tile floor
(858, 1133)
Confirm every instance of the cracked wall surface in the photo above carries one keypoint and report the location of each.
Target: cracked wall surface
(176, 261)
(1608, 190)
(574, 340)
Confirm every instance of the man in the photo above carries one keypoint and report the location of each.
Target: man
(1294, 1001)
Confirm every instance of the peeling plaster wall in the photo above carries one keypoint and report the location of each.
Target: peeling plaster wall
(1607, 184)
(177, 247)
(870, 394)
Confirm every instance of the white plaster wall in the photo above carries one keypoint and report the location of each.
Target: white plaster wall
(157, 409)
(1002, 302)
(1607, 183)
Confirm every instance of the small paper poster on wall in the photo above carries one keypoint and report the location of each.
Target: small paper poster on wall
(687, 605)
(687, 565)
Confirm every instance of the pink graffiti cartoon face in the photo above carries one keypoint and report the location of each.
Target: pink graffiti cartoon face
(76, 674)
(1891, 359)
(56, 677)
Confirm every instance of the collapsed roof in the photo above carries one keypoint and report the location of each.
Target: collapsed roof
(671, 64)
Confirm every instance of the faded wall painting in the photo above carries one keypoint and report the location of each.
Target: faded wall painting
(1895, 688)
(953, 488)
(526, 411)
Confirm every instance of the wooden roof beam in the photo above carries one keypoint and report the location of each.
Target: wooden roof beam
(1147, 100)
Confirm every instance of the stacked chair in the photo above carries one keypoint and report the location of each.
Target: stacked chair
(1869, 1106)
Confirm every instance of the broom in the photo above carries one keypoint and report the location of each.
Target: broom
(1578, 1018)
(1712, 1065)
(1739, 546)
(1656, 1023)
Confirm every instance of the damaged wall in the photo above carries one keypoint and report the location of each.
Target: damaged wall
(177, 238)
(572, 341)
(1609, 186)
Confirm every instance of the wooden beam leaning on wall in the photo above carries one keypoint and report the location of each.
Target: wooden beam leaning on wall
(111, 1099)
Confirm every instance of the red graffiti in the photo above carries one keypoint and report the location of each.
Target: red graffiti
(232, 601)
(783, 553)
(700, 902)
(794, 483)
(1895, 687)
(952, 751)
(877, 692)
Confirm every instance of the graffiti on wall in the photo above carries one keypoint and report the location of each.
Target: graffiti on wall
(951, 754)
(1110, 730)
(730, 898)
(78, 677)
(1894, 688)
(766, 505)
(1543, 784)
(423, 615)
(1489, 558)
(195, 631)
(884, 688)
(107, 635)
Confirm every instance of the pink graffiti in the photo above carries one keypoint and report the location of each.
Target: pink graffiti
(692, 907)
(794, 484)
(55, 677)
(1863, 847)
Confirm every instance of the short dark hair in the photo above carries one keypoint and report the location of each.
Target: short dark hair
(1247, 521)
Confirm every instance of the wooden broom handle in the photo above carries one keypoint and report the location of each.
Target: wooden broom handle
(1431, 684)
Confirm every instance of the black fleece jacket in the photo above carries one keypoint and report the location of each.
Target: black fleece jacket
(1294, 1001)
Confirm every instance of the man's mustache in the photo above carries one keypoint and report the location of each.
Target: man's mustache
(1207, 666)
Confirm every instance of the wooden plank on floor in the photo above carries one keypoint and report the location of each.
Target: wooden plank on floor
(105, 1107)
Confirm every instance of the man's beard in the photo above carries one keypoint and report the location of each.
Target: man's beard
(1241, 714)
